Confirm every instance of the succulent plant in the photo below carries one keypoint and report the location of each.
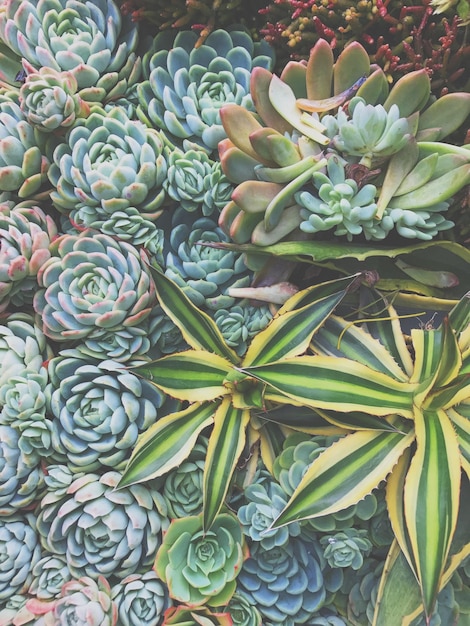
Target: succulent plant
(285, 583)
(164, 336)
(204, 273)
(108, 163)
(265, 499)
(100, 530)
(242, 612)
(196, 182)
(93, 287)
(20, 550)
(93, 41)
(26, 232)
(14, 609)
(363, 594)
(48, 577)
(346, 548)
(86, 601)
(23, 156)
(49, 99)
(140, 599)
(201, 567)
(99, 411)
(241, 322)
(21, 479)
(129, 225)
(186, 86)
(183, 615)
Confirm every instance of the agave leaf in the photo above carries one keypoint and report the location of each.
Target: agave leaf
(301, 418)
(459, 316)
(198, 329)
(460, 417)
(431, 499)
(344, 474)
(271, 441)
(193, 375)
(226, 444)
(357, 420)
(452, 395)
(337, 384)
(167, 443)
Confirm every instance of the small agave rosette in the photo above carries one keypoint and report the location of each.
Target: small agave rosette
(92, 40)
(93, 286)
(100, 410)
(108, 163)
(140, 599)
(200, 567)
(26, 233)
(101, 530)
(187, 86)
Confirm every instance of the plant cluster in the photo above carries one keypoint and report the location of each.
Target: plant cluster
(211, 412)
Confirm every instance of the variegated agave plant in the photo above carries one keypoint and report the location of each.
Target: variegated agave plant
(402, 410)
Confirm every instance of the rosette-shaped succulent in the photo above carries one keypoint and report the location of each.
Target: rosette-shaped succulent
(92, 40)
(99, 409)
(183, 486)
(23, 160)
(413, 224)
(25, 235)
(100, 529)
(203, 272)
(363, 593)
(187, 86)
(240, 323)
(94, 286)
(108, 163)
(346, 548)
(164, 336)
(20, 550)
(285, 583)
(49, 99)
(21, 480)
(86, 602)
(265, 501)
(129, 225)
(49, 575)
(140, 599)
(242, 612)
(196, 182)
(14, 609)
(201, 567)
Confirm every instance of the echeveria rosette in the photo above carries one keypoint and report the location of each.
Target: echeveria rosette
(92, 40)
(20, 550)
(422, 224)
(187, 86)
(140, 599)
(196, 182)
(21, 479)
(85, 602)
(49, 575)
(108, 163)
(129, 225)
(24, 159)
(49, 99)
(241, 322)
(346, 548)
(93, 288)
(204, 273)
(285, 583)
(101, 530)
(242, 612)
(265, 500)
(201, 567)
(26, 232)
(99, 410)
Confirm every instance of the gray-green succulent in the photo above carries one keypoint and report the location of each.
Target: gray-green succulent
(48, 576)
(140, 599)
(85, 601)
(346, 548)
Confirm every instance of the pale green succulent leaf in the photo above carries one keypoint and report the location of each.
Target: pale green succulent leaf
(167, 443)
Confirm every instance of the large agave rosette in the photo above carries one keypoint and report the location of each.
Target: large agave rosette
(92, 40)
(187, 86)
(201, 567)
(102, 530)
(91, 287)
(107, 164)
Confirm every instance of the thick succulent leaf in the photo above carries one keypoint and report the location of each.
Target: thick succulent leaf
(431, 499)
(355, 420)
(289, 333)
(167, 443)
(193, 375)
(459, 318)
(319, 76)
(338, 337)
(450, 396)
(337, 384)
(352, 63)
(198, 329)
(271, 442)
(344, 474)
(226, 444)
(304, 419)
(460, 417)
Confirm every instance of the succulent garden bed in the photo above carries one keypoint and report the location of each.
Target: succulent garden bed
(235, 313)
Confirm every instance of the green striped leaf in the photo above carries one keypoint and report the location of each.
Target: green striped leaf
(427, 345)
(450, 362)
(460, 417)
(193, 375)
(301, 418)
(198, 329)
(356, 420)
(226, 444)
(167, 443)
(453, 394)
(431, 499)
(317, 292)
(459, 316)
(338, 337)
(337, 384)
(344, 474)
